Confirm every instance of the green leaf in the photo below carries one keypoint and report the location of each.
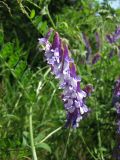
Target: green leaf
(20, 68)
(25, 137)
(7, 50)
(64, 24)
(13, 60)
(13, 117)
(39, 137)
(42, 27)
(32, 14)
(44, 146)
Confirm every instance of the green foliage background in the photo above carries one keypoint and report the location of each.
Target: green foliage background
(28, 88)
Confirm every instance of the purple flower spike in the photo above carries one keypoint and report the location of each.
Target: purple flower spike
(96, 58)
(88, 47)
(112, 38)
(63, 67)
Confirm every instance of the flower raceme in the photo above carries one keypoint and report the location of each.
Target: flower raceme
(63, 67)
(96, 58)
(112, 38)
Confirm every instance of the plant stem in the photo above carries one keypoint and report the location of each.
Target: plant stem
(99, 138)
(98, 132)
(31, 135)
(50, 18)
(34, 4)
(49, 135)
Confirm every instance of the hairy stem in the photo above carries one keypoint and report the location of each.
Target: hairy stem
(50, 18)
(49, 135)
(31, 135)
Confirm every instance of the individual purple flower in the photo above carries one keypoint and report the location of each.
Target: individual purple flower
(63, 67)
(96, 57)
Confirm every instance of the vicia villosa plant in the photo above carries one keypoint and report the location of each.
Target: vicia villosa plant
(62, 66)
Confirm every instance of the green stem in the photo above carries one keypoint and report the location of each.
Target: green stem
(49, 135)
(31, 135)
(34, 4)
(99, 138)
(50, 18)
(25, 12)
(98, 132)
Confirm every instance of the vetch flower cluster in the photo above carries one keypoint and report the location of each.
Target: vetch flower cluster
(63, 67)
(112, 38)
(88, 47)
(96, 58)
